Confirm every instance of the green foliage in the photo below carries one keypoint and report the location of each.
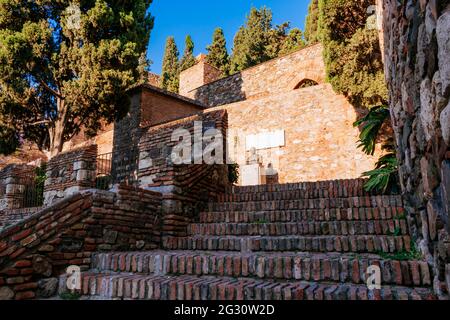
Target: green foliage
(312, 23)
(384, 176)
(258, 41)
(371, 126)
(293, 42)
(188, 59)
(40, 183)
(413, 254)
(68, 64)
(218, 54)
(233, 173)
(170, 69)
(352, 52)
(9, 140)
(70, 296)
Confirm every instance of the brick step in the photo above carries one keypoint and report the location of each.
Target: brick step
(336, 188)
(350, 214)
(125, 286)
(333, 267)
(356, 244)
(286, 195)
(374, 227)
(298, 204)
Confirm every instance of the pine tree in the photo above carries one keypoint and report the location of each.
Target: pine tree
(188, 59)
(312, 23)
(276, 38)
(170, 68)
(218, 53)
(252, 40)
(294, 41)
(258, 41)
(64, 66)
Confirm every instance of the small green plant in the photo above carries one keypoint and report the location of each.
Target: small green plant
(404, 255)
(262, 221)
(40, 183)
(233, 173)
(70, 296)
(385, 175)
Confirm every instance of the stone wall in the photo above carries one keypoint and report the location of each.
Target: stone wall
(417, 63)
(39, 249)
(279, 75)
(13, 181)
(186, 187)
(320, 140)
(70, 172)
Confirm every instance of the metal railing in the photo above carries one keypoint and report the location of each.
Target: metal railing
(33, 194)
(114, 168)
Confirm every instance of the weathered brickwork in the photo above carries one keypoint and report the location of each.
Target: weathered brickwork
(185, 187)
(70, 172)
(200, 74)
(303, 241)
(275, 76)
(13, 181)
(38, 249)
(9, 217)
(417, 60)
(320, 140)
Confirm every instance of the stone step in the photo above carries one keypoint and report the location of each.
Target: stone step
(126, 286)
(334, 267)
(310, 215)
(299, 204)
(336, 188)
(356, 244)
(374, 227)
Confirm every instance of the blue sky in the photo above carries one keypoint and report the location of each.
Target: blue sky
(199, 18)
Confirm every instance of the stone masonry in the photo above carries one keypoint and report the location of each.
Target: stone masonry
(417, 63)
(320, 142)
(69, 173)
(13, 181)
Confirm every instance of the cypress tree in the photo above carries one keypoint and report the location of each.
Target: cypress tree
(352, 53)
(218, 53)
(188, 59)
(312, 23)
(170, 68)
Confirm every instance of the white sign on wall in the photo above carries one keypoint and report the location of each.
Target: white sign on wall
(265, 140)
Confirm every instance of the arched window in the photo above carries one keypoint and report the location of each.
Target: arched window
(305, 83)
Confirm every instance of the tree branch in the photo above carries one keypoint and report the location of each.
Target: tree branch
(52, 91)
(40, 122)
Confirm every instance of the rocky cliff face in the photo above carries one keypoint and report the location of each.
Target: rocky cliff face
(417, 62)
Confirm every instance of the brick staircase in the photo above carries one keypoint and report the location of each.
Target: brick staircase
(306, 241)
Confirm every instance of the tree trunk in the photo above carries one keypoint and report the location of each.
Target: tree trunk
(57, 132)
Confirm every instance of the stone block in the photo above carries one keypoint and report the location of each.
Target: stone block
(443, 40)
(445, 123)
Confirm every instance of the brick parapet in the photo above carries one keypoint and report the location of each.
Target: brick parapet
(187, 187)
(40, 247)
